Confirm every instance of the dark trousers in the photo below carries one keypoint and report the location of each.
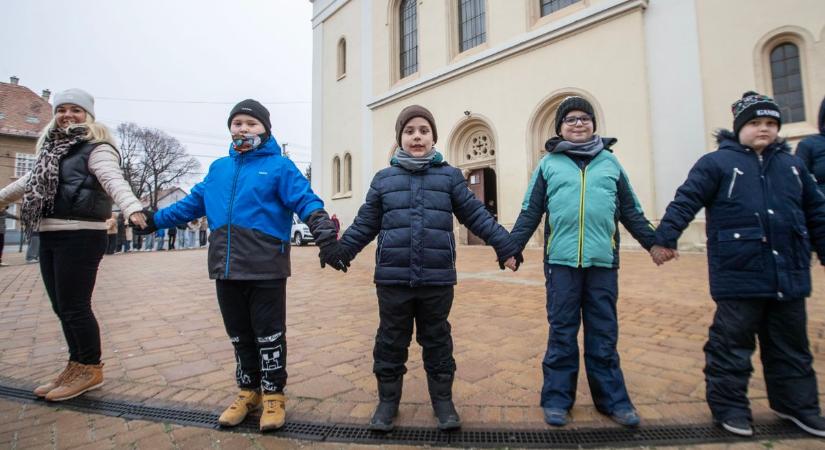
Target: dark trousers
(172, 239)
(254, 314)
(784, 349)
(68, 264)
(202, 236)
(2, 243)
(585, 296)
(111, 244)
(398, 308)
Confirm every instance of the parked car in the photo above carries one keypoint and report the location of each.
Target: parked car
(300, 232)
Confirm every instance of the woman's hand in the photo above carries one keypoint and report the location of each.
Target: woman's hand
(139, 219)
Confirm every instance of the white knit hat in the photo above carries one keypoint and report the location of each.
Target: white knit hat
(77, 97)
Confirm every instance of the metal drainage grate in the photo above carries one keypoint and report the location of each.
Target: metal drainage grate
(583, 438)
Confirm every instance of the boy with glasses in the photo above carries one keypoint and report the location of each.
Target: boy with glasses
(584, 192)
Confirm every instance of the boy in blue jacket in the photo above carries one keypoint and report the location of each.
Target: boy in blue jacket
(410, 207)
(248, 198)
(763, 211)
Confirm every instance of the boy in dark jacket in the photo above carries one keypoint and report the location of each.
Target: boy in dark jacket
(811, 151)
(249, 198)
(410, 207)
(763, 211)
(584, 193)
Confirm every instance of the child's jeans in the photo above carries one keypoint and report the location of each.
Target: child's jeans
(588, 296)
(398, 308)
(254, 314)
(784, 349)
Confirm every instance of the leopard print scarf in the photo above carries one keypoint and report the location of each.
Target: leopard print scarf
(38, 198)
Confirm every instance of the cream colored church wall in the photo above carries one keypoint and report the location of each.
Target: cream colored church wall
(733, 36)
(341, 117)
(507, 95)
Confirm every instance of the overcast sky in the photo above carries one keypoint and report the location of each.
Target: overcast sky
(177, 65)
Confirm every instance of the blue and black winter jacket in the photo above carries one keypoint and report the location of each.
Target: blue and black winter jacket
(412, 215)
(811, 151)
(762, 213)
(248, 199)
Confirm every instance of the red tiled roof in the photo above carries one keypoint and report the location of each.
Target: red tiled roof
(22, 112)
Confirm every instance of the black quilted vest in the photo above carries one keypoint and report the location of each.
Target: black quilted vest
(79, 195)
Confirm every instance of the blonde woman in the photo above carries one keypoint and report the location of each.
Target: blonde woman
(67, 197)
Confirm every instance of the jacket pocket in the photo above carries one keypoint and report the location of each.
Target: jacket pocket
(740, 249)
(802, 247)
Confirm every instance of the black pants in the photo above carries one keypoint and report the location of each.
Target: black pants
(111, 244)
(254, 314)
(2, 243)
(68, 264)
(202, 236)
(784, 349)
(400, 306)
(172, 239)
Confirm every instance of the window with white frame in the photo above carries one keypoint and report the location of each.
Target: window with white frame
(23, 164)
(348, 172)
(471, 26)
(547, 7)
(342, 57)
(786, 79)
(336, 175)
(408, 51)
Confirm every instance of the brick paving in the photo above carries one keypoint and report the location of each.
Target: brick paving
(164, 342)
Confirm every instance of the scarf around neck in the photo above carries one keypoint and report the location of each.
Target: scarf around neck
(38, 198)
(415, 163)
(590, 148)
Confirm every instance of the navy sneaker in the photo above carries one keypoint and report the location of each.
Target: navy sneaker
(740, 426)
(626, 417)
(814, 424)
(555, 416)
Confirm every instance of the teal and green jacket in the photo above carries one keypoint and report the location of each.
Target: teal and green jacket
(583, 200)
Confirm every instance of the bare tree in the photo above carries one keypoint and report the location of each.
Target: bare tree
(152, 160)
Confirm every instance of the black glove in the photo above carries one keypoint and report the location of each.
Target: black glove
(323, 230)
(150, 223)
(519, 260)
(334, 255)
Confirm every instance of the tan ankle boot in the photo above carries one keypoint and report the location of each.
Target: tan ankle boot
(44, 389)
(246, 402)
(84, 378)
(274, 415)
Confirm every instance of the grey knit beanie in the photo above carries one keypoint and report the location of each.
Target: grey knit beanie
(77, 97)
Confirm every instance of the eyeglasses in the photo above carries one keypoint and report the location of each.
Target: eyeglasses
(571, 120)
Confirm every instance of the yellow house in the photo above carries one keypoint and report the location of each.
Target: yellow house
(661, 75)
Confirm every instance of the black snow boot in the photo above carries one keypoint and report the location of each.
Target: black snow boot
(389, 396)
(441, 394)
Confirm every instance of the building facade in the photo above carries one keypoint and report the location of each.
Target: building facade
(661, 75)
(23, 115)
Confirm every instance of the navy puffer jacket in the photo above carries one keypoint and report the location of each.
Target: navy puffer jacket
(761, 219)
(412, 215)
(811, 151)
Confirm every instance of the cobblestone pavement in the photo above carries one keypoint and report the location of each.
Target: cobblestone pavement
(164, 342)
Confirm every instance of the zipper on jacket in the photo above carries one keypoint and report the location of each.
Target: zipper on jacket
(581, 217)
(549, 242)
(380, 247)
(736, 172)
(761, 227)
(229, 218)
(452, 253)
(796, 174)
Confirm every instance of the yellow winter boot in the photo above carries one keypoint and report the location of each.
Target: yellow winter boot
(274, 415)
(85, 377)
(44, 389)
(246, 402)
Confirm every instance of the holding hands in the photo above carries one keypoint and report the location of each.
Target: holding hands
(145, 220)
(512, 262)
(333, 254)
(661, 255)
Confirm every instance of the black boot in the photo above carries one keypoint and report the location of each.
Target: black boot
(389, 396)
(441, 394)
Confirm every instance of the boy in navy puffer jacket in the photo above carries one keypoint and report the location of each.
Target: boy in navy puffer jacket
(763, 212)
(410, 207)
(249, 198)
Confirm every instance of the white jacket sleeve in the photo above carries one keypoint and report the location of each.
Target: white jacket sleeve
(104, 164)
(14, 191)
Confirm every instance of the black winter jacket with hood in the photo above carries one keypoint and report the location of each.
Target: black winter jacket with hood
(761, 217)
(811, 150)
(411, 212)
